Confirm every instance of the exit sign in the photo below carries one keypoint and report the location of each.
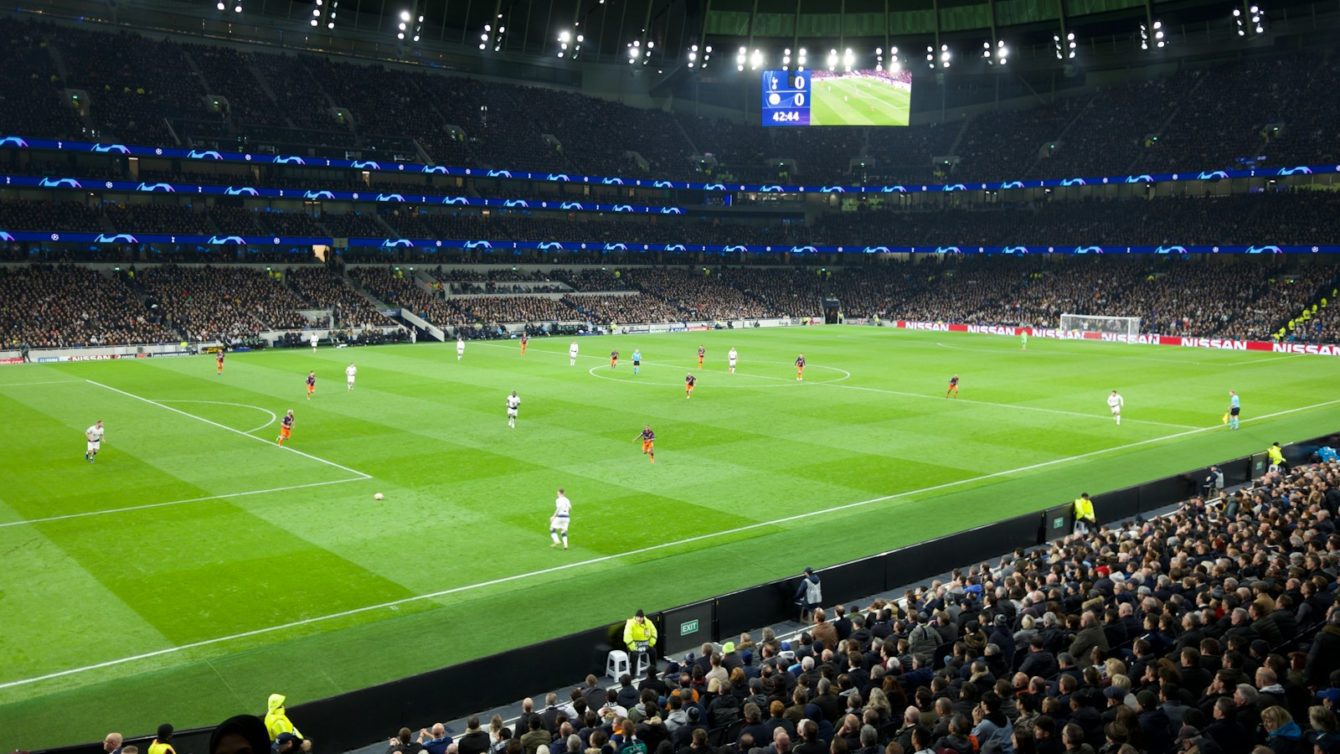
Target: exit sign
(1058, 522)
(688, 627)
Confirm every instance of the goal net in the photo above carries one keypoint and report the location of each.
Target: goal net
(1102, 324)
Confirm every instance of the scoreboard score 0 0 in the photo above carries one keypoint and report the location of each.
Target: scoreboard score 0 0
(786, 98)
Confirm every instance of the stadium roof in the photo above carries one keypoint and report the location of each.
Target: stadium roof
(665, 30)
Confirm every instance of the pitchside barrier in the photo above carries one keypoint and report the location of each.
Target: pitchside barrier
(351, 720)
(1224, 344)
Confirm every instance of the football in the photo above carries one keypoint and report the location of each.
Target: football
(378, 496)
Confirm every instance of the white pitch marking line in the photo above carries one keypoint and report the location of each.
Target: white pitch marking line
(273, 418)
(230, 429)
(45, 382)
(630, 553)
(149, 506)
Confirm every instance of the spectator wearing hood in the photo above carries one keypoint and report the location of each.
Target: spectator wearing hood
(276, 721)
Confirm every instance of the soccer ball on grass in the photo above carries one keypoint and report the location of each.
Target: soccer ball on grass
(378, 496)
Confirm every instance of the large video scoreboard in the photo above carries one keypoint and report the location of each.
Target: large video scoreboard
(837, 98)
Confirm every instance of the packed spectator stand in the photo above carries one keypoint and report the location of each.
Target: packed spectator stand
(56, 306)
(1243, 298)
(152, 90)
(208, 303)
(322, 288)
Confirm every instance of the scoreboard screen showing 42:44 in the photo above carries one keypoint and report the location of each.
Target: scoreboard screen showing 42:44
(882, 97)
(786, 98)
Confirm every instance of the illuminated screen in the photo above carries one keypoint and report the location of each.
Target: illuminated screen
(786, 98)
(825, 98)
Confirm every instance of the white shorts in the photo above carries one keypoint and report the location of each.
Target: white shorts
(732, 362)
(349, 380)
(511, 413)
(94, 447)
(559, 524)
(1116, 410)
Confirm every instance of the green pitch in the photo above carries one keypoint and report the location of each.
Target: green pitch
(858, 102)
(196, 567)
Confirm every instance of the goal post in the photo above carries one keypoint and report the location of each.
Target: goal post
(1100, 323)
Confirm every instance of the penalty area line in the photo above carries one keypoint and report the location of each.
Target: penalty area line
(619, 556)
(170, 503)
(238, 432)
(271, 414)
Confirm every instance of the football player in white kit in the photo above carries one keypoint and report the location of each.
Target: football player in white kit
(315, 339)
(572, 354)
(1115, 402)
(460, 347)
(513, 402)
(730, 359)
(350, 372)
(94, 437)
(558, 523)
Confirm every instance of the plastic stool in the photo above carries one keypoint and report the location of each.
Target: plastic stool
(616, 665)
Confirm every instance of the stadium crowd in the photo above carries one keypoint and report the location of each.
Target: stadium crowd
(1270, 109)
(696, 293)
(1318, 323)
(225, 303)
(495, 310)
(622, 309)
(61, 306)
(321, 288)
(395, 287)
(1236, 297)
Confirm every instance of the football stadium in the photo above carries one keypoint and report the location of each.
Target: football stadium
(400, 376)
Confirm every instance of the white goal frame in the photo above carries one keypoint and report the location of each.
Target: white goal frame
(1101, 324)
